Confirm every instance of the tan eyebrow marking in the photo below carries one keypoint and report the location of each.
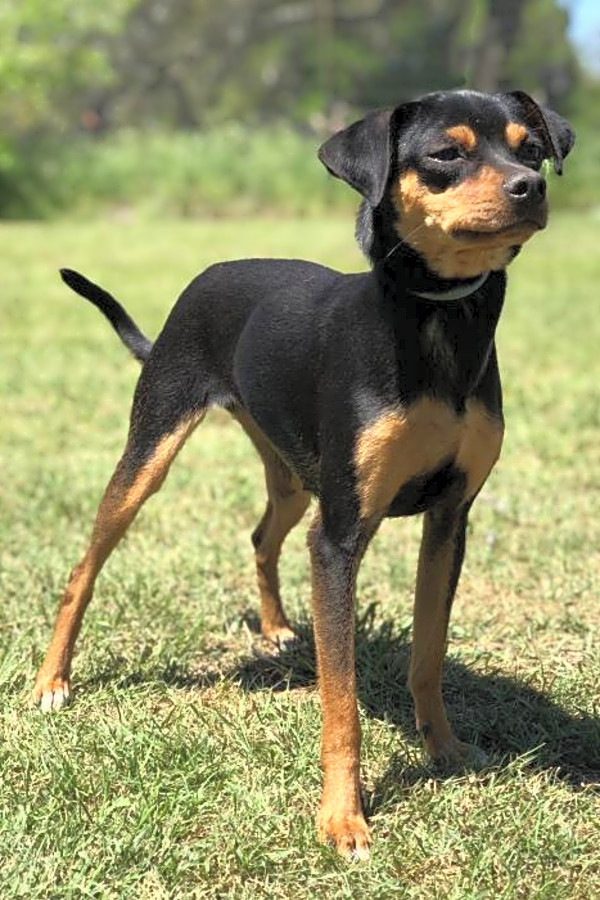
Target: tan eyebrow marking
(463, 135)
(515, 135)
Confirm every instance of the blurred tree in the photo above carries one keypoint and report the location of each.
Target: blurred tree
(543, 61)
(51, 51)
(50, 54)
(500, 29)
(187, 63)
(524, 43)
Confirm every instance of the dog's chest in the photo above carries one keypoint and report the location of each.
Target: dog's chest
(410, 457)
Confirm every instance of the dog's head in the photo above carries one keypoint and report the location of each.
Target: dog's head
(460, 172)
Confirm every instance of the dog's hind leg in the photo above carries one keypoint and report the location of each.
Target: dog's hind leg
(285, 508)
(287, 502)
(155, 438)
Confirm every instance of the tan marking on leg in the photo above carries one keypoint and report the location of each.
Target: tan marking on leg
(479, 448)
(286, 505)
(116, 512)
(286, 512)
(438, 571)
(463, 135)
(428, 220)
(154, 471)
(429, 644)
(288, 480)
(340, 817)
(515, 134)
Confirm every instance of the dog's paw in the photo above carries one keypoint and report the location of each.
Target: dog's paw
(460, 755)
(283, 637)
(348, 834)
(51, 694)
(473, 757)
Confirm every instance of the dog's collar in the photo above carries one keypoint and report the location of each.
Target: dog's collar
(456, 293)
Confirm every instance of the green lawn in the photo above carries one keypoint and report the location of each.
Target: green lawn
(187, 766)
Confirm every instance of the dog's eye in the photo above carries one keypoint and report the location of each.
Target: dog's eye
(446, 154)
(531, 154)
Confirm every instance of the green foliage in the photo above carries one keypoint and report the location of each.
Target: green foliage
(227, 171)
(188, 765)
(49, 52)
(189, 68)
(543, 25)
(579, 187)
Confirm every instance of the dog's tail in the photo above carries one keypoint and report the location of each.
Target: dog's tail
(136, 342)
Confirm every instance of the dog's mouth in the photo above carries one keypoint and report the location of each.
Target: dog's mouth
(520, 230)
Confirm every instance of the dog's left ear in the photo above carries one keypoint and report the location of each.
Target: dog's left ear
(361, 154)
(556, 133)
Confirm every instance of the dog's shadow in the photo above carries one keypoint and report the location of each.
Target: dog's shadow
(503, 716)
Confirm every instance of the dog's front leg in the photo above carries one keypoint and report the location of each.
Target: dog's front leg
(440, 561)
(335, 561)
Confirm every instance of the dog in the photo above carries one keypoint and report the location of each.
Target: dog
(377, 393)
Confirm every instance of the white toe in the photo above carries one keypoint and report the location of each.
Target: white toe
(53, 700)
(360, 854)
(46, 701)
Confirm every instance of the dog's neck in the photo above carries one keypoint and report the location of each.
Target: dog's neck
(445, 326)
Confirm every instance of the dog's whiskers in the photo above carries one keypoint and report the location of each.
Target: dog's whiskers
(404, 240)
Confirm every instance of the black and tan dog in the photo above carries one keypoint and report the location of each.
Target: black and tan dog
(378, 393)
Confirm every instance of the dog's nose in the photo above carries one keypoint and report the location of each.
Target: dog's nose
(526, 187)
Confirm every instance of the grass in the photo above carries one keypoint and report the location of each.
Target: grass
(187, 767)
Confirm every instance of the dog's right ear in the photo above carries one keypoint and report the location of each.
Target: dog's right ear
(555, 132)
(361, 154)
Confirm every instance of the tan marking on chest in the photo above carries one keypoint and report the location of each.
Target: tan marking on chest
(515, 134)
(463, 135)
(479, 447)
(406, 443)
